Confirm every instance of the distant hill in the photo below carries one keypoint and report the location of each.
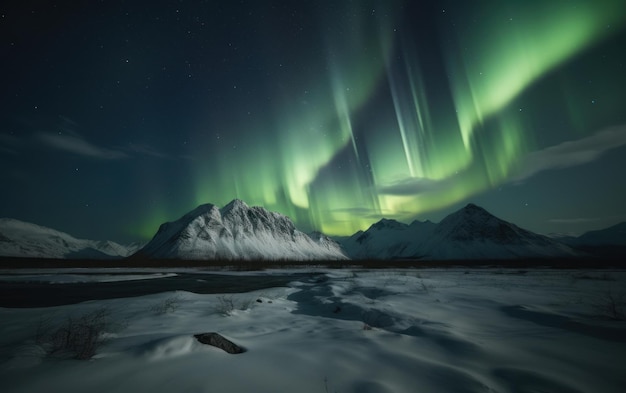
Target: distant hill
(608, 242)
(470, 233)
(23, 239)
(240, 232)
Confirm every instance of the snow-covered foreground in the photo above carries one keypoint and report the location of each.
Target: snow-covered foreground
(453, 330)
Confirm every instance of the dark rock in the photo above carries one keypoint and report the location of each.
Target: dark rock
(259, 301)
(218, 341)
(337, 310)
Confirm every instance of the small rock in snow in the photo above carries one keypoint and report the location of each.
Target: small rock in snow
(218, 341)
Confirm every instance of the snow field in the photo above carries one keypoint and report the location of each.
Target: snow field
(482, 330)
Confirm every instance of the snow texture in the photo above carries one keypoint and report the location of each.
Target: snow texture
(427, 330)
(470, 233)
(238, 232)
(23, 239)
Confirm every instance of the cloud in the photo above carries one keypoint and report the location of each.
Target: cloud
(73, 143)
(365, 212)
(353, 210)
(362, 212)
(412, 186)
(146, 150)
(584, 220)
(580, 220)
(67, 122)
(572, 153)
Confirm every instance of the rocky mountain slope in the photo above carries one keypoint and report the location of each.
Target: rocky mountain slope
(470, 233)
(237, 231)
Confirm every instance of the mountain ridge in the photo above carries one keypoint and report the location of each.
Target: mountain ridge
(25, 239)
(237, 232)
(469, 233)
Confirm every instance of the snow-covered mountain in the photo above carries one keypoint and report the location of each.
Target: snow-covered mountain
(23, 239)
(326, 242)
(470, 233)
(611, 236)
(237, 231)
(604, 243)
(388, 239)
(474, 233)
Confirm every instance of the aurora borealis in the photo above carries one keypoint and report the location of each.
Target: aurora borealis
(119, 116)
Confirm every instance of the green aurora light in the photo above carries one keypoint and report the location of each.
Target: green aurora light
(309, 160)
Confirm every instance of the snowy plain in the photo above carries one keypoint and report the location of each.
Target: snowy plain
(342, 330)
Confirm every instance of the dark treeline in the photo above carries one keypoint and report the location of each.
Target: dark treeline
(559, 263)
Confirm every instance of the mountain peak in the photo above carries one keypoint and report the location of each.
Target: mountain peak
(473, 223)
(201, 209)
(417, 223)
(614, 235)
(237, 231)
(472, 208)
(388, 224)
(470, 213)
(469, 233)
(235, 204)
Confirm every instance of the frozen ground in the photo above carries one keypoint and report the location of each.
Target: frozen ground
(429, 330)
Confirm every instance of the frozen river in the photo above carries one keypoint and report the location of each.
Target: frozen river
(47, 289)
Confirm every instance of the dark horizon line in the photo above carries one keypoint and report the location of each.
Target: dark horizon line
(613, 260)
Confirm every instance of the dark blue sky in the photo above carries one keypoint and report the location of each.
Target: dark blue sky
(119, 115)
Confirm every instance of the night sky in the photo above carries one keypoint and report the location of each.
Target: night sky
(117, 116)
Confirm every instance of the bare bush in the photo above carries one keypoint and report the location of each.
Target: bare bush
(168, 305)
(246, 303)
(425, 287)
(78, 338)
(611, 304)
(227, 304)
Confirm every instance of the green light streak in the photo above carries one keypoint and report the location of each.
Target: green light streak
(276, 170)
(343, 111)
(489, 70)
(457, 146)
